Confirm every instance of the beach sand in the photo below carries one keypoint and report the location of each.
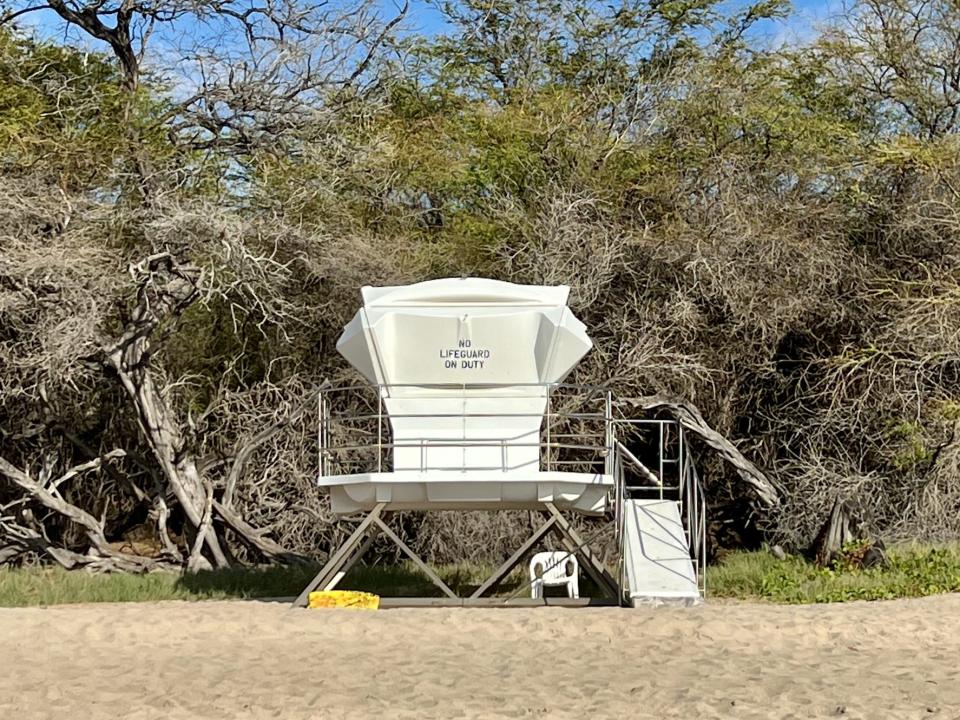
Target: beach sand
(898, 659)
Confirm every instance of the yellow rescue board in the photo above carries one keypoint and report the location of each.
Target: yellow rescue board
(344, 599)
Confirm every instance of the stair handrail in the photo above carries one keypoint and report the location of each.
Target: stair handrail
(643, 469)
(696, 527)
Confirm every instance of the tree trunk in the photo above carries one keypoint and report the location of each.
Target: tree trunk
(101, 554)
(689, 416)
(839, 533)
(166, 290)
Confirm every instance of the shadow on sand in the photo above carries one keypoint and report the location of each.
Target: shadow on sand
(285, 582)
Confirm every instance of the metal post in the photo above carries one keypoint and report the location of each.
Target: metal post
(608, 434)
(320, 438)
(326, 432)
(379, 428)
(687, 511)
(618, 498)
(660, 458)
(463, 428)
(681, 470)
(548, 426)
(703, 537)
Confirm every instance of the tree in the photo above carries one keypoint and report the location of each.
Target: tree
(73, 241)
(904, 56)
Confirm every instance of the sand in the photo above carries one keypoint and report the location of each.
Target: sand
(898, 659)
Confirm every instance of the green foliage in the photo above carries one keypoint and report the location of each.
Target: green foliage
(913, 571)
(54, 586)
(60, 110)
(950, 410)
(65, 118)
(909, 438)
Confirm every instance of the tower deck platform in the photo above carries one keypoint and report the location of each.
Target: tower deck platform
(582, 492)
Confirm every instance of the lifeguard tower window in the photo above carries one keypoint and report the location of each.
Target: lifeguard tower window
(465, 406)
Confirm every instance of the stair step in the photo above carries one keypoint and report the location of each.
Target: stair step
(657, 561)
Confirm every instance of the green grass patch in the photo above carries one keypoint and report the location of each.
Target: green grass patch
(913, 571)
(54, 586)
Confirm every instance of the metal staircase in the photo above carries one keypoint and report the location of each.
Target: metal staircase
(661, 523)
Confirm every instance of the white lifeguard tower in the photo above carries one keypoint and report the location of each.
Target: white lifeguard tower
(466, 410)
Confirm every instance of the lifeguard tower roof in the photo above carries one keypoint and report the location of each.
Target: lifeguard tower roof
(466, 332)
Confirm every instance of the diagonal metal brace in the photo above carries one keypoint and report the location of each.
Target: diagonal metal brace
(577, 546)
(343, 558)
(427, 570)
(501, 572)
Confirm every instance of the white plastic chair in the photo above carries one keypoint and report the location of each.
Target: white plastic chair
(553, 569)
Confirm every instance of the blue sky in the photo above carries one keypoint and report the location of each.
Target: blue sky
(807, 14)
(423, 17)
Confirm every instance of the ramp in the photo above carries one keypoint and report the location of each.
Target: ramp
(657, 563)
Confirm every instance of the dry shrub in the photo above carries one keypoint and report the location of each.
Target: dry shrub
(58, 278)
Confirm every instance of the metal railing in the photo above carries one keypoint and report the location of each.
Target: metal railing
(356, 433)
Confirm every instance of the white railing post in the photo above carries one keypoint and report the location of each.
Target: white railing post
(548, 418)
(681, 471)
(326, 433)
(463, 428)
(608, 434)
(320, 443)
(660, 458)
(703, 534)
(379, 428)
(619, 495)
